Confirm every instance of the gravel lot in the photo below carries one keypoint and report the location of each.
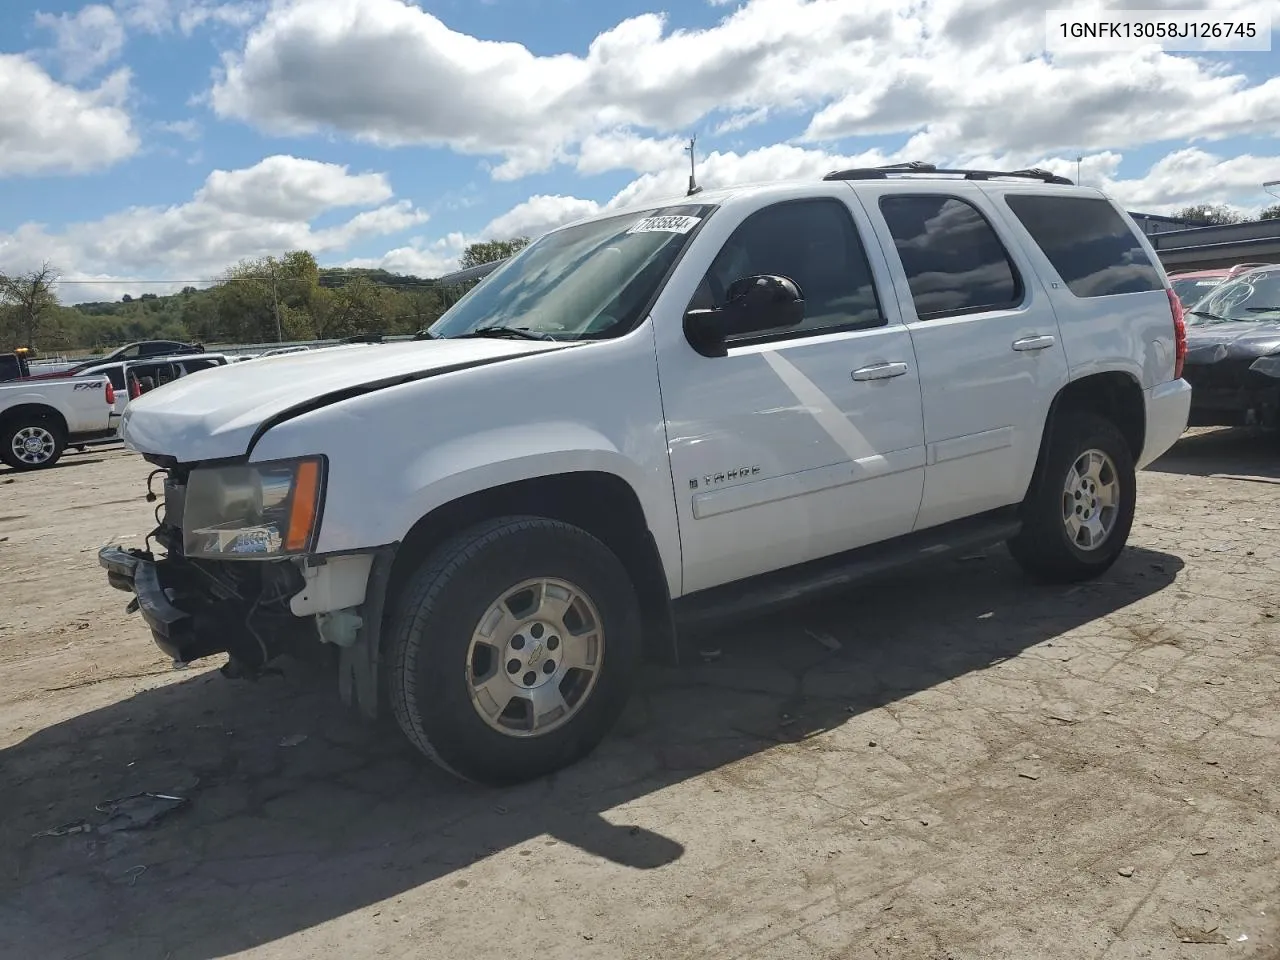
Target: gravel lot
(984, 769)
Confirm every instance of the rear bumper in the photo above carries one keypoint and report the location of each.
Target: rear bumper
(1168, 409)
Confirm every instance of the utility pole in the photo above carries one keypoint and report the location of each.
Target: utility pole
(693, 169)
(1078, 159)
(275, 302)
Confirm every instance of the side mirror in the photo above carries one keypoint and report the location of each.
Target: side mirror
(753, 304)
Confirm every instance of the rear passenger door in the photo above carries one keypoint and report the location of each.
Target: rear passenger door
(986, 342)
(1110, 298)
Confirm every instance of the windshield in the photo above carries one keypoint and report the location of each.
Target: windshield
(1253, 296)
(1192, 290)
(592, 281)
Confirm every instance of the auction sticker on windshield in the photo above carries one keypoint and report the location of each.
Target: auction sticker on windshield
(665, 225)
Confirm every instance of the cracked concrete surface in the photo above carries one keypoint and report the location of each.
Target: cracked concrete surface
(985, 770)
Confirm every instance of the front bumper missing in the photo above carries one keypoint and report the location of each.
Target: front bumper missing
(190, 620)
(136, 572)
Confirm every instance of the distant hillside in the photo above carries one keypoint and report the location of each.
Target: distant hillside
(257, 301)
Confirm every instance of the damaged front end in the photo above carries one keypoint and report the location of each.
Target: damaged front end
(1232, 387)
(203, 605)
(234, 572)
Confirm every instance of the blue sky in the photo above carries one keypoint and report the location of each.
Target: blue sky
(165, 139)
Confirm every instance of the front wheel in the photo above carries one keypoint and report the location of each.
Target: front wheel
(1077, 516)
(513, 649)
(31, 444)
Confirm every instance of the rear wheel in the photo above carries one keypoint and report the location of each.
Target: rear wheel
(31, 444)
(1077, 517)
(513, 649)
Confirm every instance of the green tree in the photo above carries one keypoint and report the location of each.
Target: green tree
(1207, 214)
(1270, 213)
(491, 250)
(29, 298)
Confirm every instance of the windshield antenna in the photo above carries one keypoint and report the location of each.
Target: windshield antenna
(693, 171)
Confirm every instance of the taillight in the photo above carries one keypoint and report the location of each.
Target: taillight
(1179, 334)
(135, 388)
(111, 395)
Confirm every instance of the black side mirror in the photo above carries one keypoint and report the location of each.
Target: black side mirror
(753, 304)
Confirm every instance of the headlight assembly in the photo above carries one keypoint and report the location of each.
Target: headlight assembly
(254, 511)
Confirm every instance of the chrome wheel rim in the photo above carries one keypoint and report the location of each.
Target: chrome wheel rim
(535, 657)
(33, 445)
(1091, 500)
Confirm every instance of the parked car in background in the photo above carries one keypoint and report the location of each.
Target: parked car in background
(13, 366)
(130, 351)
(39, 420)
(671, 415)
(1233, 352)
(132, 378)
(1192, 286)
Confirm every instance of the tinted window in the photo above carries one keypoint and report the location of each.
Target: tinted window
(954, 261)
(116, 376)
(193, 365)
(1094, 251)
(815, 244)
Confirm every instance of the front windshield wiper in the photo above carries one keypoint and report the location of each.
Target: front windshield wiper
(517, 333)
(1206, 315)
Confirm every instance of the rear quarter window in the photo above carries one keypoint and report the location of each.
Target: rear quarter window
(1089, 244)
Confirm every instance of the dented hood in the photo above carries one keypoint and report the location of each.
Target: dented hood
(215, 414)
(1237, 340)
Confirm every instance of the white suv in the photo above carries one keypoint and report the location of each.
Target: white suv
(648, 418)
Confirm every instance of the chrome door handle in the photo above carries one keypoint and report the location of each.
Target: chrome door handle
(880, 371)
(1034, 343)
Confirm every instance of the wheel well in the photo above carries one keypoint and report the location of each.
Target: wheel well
(602, 504)
(31, 412)
(1113, 395)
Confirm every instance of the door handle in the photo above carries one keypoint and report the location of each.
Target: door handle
(880, 371)
(1034, 343)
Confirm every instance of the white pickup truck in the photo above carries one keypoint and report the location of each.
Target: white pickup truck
(664, 416)
(39, 419)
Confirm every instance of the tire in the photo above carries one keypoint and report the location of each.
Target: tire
(435, 662)
(1045, 547)
(18, 443)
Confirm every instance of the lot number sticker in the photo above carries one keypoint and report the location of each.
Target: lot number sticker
(665, 225)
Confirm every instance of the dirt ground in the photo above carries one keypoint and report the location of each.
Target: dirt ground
(984, 769)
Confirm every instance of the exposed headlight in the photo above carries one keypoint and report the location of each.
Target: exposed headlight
(253, 512)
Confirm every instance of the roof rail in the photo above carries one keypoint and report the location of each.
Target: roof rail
(928, 169)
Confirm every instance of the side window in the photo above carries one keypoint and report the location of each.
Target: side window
(1094, 251)
(116, 376)
(812, 242)
(954, 261)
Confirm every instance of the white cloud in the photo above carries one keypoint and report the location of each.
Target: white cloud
(86, 40)
(537, 215)
(624, 150)
(1193, 176)
(186, 129)
(290, 188)
(49, 127)
(163, 16)
(265, 209)
(387, 72)
(362, 66)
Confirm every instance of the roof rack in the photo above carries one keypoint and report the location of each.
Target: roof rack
(928, 169)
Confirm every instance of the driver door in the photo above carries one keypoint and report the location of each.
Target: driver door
(802, 442)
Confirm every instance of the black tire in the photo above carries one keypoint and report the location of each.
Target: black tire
(1044, 547)
(441, 605)
(56, 442)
